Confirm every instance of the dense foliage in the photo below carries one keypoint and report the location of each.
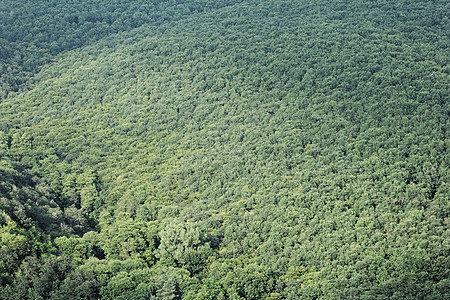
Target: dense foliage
(202, 149)
(32, 32)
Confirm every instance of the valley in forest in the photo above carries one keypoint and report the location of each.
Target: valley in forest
(233, 149)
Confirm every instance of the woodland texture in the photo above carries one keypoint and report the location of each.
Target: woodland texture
(204, 149)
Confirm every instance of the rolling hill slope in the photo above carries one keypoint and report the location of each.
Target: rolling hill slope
(259, 150)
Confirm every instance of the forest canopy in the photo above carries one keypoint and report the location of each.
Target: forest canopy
(198, 149)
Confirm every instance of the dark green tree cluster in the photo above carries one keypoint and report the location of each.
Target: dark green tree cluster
(32, 33)
(267, 149)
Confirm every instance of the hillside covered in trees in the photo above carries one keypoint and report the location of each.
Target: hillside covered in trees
(230, 149)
